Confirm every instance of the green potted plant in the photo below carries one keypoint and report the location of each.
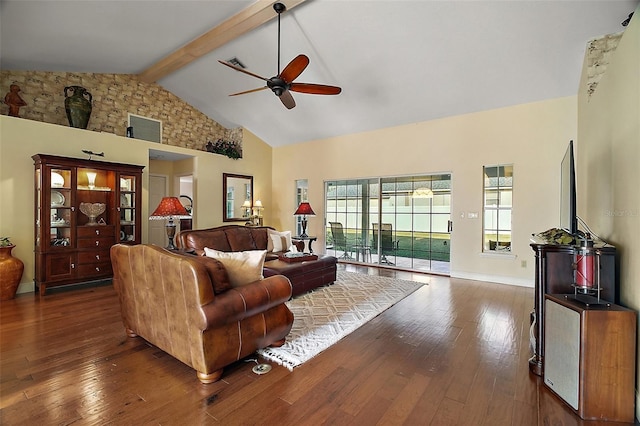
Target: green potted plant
(11, 269)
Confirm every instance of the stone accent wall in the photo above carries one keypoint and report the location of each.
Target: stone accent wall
(114, 96)
(599, 53)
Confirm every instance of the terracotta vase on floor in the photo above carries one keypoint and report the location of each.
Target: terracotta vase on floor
(11, 269)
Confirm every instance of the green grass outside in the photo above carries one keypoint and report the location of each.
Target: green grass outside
(417, 245)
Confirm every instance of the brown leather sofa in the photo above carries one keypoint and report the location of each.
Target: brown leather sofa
(304, 276)
(185, 306)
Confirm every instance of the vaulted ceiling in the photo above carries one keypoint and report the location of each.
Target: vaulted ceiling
(398, 62)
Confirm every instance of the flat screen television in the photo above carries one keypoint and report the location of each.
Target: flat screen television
(568, 213)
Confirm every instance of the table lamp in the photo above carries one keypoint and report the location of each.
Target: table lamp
(170, 208)
(246, 207)
(91, 178)
(257, 208)
(304, 210)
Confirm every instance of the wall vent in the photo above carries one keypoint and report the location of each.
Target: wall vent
(146, 128)
(235, 61)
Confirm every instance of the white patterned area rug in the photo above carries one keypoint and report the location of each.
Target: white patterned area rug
(327, 314)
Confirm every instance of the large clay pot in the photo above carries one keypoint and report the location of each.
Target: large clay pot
(78, 106)
(11, 269)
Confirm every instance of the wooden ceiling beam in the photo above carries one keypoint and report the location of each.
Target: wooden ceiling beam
(242, 22)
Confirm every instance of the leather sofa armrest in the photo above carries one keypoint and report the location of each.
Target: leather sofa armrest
(245, 301)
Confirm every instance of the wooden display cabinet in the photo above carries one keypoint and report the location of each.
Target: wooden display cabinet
(72, 244)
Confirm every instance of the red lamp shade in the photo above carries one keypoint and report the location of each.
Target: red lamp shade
(170, 207)
(304, 209)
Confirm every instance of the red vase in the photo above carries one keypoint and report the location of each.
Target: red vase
(11, 269)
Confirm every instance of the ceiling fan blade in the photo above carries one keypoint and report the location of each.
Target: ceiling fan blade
(242, 70)
(315, 89)
(294, 68)
(249, 91)
(287, 99)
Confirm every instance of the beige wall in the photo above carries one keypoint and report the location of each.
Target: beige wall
(609, 163)
(533, 137)
(173, 169)
(21, 138)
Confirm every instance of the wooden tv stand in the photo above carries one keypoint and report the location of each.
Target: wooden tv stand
(554, 275)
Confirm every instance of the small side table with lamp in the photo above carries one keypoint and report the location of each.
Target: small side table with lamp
(304, 210)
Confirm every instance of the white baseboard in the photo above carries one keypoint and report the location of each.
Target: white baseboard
(520, 282)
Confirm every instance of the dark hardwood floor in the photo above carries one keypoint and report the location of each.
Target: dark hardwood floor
(453, 353)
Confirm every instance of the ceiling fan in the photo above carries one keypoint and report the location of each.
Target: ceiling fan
(282, 84)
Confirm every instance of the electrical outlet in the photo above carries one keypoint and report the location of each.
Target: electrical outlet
(523, 263)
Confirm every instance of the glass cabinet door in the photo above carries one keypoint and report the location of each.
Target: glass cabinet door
(129, 231)
(59, 210)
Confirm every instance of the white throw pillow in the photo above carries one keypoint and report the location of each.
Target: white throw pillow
(279, 241)
(243, 267)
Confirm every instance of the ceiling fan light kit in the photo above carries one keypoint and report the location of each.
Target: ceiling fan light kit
(282, 84)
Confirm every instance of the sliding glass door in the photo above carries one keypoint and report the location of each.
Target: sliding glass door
(401, 222)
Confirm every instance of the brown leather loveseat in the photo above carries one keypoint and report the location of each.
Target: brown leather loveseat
(304, 276)
(186, 306)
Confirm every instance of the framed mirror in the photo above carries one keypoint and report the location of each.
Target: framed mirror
(237, 191)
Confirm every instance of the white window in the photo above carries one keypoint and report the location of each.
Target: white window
(498, 195)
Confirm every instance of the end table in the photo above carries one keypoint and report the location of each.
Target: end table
(304, 239)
